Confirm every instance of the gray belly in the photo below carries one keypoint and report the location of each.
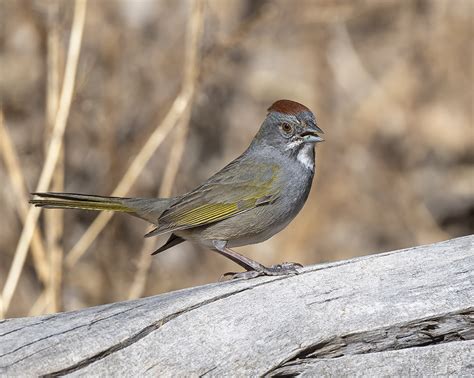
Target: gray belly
(258, 224)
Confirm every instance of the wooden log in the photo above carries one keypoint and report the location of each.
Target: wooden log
(402, 313)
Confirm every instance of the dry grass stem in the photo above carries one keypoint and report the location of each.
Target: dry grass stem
(15, 174)
(176, 112)
(54, 220)
(40, 305)
(191, 71)
(53, 151)
(179, 105)
(139, 281)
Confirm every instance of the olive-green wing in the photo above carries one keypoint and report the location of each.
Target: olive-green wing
(235, 189)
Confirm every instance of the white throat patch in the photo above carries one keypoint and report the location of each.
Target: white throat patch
(305, 157)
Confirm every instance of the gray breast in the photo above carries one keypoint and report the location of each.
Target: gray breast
(261, 223)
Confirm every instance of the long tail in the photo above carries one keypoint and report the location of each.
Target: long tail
(145, 208)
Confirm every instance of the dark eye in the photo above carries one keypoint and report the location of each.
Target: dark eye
(287, 128)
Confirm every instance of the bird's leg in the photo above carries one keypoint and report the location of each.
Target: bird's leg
(244, 262)
(254, 268)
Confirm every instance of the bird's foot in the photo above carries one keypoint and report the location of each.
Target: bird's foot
(241, 275)
(282, 269)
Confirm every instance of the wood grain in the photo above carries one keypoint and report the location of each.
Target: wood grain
(406, 312)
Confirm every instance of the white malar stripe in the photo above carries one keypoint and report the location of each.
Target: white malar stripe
(294, 144)
(305, 157)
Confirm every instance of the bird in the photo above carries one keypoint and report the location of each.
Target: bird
(248, 201)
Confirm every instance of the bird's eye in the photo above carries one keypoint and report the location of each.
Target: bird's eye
(287, 128)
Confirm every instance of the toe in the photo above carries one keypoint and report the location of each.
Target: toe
(241, 275)
(284, 268)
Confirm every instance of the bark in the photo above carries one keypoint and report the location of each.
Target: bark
(401, 313)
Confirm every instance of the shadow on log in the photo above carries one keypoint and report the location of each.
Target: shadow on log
(401, 313)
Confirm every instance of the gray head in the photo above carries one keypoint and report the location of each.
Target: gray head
(289, 127)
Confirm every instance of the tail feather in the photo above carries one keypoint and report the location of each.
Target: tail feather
(80, 201)
(147, 209)
(80, 197)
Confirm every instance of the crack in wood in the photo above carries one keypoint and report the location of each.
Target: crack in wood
(25, 357)
(442, 318)
(327, 300)
(207, 372)
(34, 342)
(41, 322)
(62, 333)
(146, 331)
(89, 324)
(450, 327)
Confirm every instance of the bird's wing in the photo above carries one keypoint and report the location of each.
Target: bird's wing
(239, 187)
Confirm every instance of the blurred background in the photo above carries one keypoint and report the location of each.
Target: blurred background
(168, 92)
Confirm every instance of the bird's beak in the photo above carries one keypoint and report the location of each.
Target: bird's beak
(312, 138)
(310, 135)
(313, 127)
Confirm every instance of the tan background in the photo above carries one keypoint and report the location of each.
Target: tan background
(390, 82)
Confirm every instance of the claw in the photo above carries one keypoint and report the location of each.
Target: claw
(241, 275)
(282, 269)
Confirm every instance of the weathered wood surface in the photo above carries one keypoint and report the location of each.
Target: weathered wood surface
(401, 313)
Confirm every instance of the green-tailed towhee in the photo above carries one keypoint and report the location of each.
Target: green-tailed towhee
(247, 202)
